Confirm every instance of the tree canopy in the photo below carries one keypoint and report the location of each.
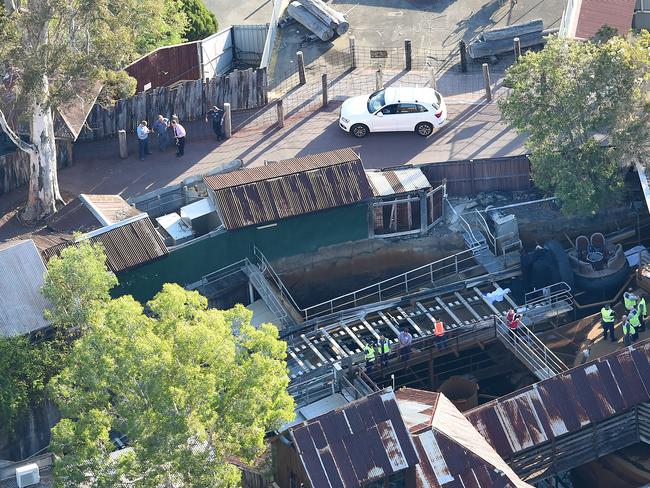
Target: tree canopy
(182, 389)
(201, 23)
(585, 109)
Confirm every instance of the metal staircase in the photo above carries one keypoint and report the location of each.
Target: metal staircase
(264, 289)
(530, 350)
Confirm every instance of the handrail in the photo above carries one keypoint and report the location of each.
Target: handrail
(468, 227)
(284, 292)
(540, 296)
(483, 223)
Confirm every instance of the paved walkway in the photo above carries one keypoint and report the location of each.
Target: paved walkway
(474, 131)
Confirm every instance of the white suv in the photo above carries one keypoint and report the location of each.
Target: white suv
(394, 109)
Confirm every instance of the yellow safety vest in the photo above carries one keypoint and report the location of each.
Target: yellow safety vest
(628, 327)
(634, 320)
(370, 352)
(607, 314)
(629, 303)
(383, 350)
(643, 310)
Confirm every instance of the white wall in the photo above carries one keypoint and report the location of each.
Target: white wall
(216, 53)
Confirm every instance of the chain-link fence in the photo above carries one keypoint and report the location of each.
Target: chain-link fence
(348, 76)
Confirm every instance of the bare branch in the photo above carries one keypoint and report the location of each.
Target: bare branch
(22, 145)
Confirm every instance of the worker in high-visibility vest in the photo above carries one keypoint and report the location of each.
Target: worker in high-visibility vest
(383, 349)
(369, 355)
(633, 318)
(608, 319)
(642, 308)
(629, 299)
(629, 332)
(439, 332)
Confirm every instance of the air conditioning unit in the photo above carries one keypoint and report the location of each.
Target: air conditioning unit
(28, 475)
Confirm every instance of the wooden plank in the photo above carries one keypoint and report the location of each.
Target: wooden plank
(468, 306)
(314, 350)
(369, 327)
(298, 360)
(449, 312)
(339, 349)
(510, 300)
(492, 307)
(410, 321)
(353, 335)
(389, 323)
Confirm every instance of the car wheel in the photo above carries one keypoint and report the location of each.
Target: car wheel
(359, 131)
(424, 129)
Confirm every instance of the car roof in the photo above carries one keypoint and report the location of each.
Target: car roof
(410, 94)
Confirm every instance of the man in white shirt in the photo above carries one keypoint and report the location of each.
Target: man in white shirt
(143, 139)
(179, 134)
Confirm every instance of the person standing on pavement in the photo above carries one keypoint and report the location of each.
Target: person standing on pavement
(143, 139)
(215, 114)
(608, 319)
(179, 134)
(160, 127)
(405, 340)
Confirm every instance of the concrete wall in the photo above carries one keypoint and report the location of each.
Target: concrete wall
(303, 234)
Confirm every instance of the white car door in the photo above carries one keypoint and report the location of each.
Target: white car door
(409, 116)
(387, 121)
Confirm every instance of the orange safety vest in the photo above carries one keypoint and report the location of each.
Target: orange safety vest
(439, 329)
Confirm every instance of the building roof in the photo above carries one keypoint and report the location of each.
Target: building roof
(567, 402)
(127, 244)
(586, 17)
(21, 279)
(75, 111)
(451, 451)
(363, 441)
(406, 180)
(289, 188)
(90, 212)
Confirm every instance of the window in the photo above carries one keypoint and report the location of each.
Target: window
(408, 108)
(389, 109)
(642, 6)
(422, 108)
(375, 101)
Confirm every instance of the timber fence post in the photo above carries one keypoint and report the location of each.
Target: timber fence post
(324, 81)
(408, 55)
(517, 47)
(301, 67)
(121, 139)
(463, 56)
(227, 121)
(280, 110)
(379, 79)
(486, 82)
(353, 52)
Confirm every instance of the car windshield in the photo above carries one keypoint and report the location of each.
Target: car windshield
(376, 101)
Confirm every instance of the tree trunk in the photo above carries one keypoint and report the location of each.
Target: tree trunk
(43, 183)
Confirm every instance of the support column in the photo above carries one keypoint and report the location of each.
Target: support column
(517, 48)
(353, 52)
(463, 56)
(408, 61)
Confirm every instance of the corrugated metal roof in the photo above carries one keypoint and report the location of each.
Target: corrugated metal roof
(21, 279)
(127, 245)
(567, 402)
(90, 212)
(284, 192)
(360, 442)
(277, 169)
(593, 14)
(397, 181)
(451, 452)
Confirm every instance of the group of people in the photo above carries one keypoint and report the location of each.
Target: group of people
(405, 340)
(161, 128)
(633, 322)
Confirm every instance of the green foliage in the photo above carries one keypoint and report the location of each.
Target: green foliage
(115, 86)
(201, 23)
(585, 110)
(77, 284)
(25, 369)
(64, 40)
(604, 34)
(178, 383)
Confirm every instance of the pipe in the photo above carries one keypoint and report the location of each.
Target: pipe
(490, 209)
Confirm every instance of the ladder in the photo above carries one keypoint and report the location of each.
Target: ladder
(264, 289)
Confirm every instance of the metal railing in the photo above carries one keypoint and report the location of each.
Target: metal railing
(492, 240)
(220, 274)
(464, 224)
(266, 269)
(529, 349)
(554, 293)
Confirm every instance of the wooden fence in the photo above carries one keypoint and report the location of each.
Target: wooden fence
(190, 100)
(474, 176)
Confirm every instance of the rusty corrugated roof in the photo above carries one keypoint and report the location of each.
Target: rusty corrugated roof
(131, 244)
(363, 441)
(451, 452)
(567, 402)
(90, 212)
(593, 14)
(286, 189)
